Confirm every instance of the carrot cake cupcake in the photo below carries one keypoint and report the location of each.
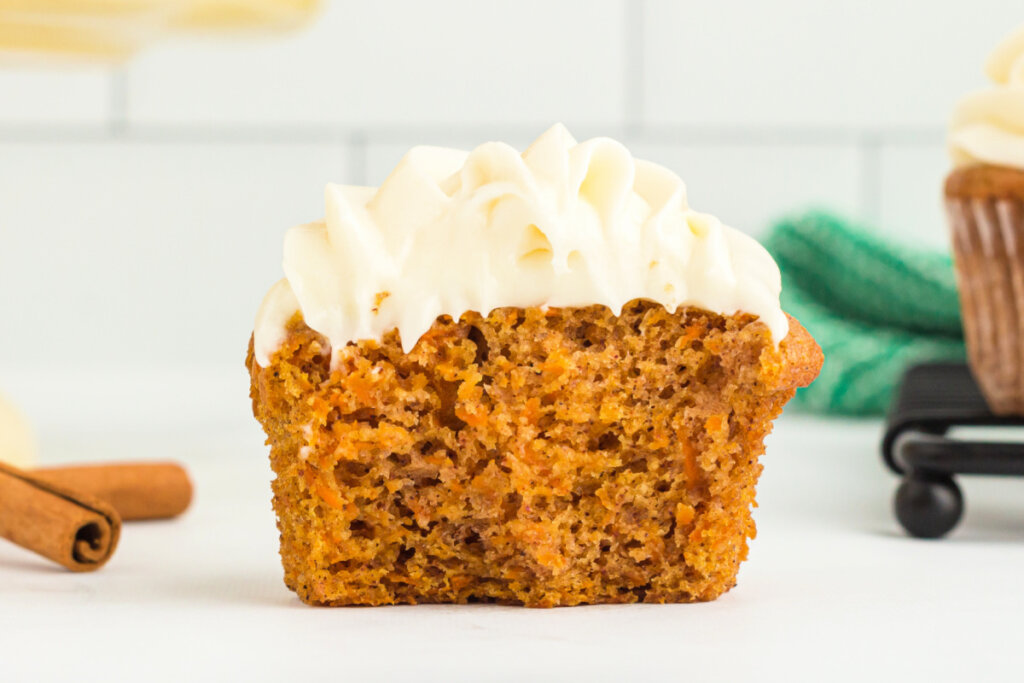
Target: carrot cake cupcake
(985, 205)
(535, 378)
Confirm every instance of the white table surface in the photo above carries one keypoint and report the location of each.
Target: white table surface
(832, 590)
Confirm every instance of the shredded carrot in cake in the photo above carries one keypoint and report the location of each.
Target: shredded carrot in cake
(537, 457)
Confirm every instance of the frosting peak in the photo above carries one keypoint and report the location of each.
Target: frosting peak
(988, 125)
(562, 224)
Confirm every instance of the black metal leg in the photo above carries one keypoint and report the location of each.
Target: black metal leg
(928, 506)
(921, 446)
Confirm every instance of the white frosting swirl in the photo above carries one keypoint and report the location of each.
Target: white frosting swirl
(563, 224)
(988, 126)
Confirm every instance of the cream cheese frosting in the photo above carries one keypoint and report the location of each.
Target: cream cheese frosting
(988, 125)
(562, 224)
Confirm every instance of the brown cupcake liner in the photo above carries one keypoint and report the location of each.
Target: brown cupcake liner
(988, 247)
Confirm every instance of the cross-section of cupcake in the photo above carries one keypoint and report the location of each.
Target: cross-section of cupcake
(533, 378)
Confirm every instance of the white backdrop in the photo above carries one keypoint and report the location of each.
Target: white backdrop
(142, 208)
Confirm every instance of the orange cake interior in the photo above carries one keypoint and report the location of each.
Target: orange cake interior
(533, 456)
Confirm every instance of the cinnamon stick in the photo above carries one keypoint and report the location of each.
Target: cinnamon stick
(72, 529)
(136, 490)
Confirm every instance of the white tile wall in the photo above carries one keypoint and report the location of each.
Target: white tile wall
(75, 95)
(910, 178)
(141, 214)
(146, 253)
(400, 63)
(811, 63)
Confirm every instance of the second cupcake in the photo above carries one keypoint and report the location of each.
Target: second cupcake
(985, 204)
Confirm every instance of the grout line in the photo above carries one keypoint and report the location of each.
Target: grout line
(118, 101)
(788, 135)
(56, 133)
(171, 134)
(633, 71)
(481, 132)
(870, 180)
(691, 135)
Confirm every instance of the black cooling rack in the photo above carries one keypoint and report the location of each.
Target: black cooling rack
(932, 399)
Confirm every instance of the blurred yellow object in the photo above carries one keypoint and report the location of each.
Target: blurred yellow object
(17, 444)
(115, 29)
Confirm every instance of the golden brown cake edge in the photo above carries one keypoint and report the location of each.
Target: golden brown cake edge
(985, 181)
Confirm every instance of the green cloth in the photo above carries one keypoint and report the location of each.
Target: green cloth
(873, 305)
